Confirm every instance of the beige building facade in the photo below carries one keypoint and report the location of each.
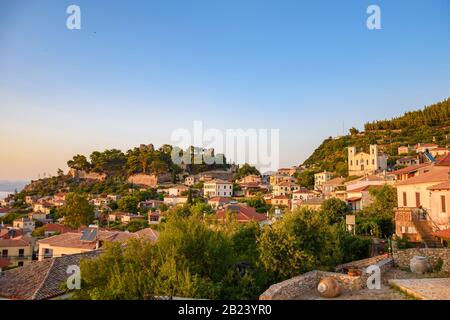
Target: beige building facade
(362, 163)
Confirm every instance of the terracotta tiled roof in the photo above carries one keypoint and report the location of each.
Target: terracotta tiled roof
(243, 213)
(55, 227)
(313, 201)
(286, 184)
(436, 174)
(353, 199)
(250, 184)
(219, 199)
(444, 161)
(6, 233)
(21, 241)
(335, 181)
(411, 168)
(365, 188)
(40, 280)
(425, 145)
(443, 234)
(148, 234)
(441, 186)
(73, 239)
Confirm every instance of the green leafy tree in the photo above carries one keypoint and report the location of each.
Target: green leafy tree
(353, 131)
(128, 204)
(246, 170)
(294, 245)
(334, 210)
(79, 162)
(136, 225)
(306, 178)
(77, 211)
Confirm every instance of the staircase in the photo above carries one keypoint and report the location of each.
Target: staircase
(424, 229)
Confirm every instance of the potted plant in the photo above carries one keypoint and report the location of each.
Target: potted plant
(353, 272)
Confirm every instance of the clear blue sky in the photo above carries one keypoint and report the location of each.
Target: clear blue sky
(137, 70)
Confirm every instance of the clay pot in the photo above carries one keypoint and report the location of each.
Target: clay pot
(419, 264)
(329, 288)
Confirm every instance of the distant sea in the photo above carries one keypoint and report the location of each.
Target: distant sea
(7, 187)
(3, 194)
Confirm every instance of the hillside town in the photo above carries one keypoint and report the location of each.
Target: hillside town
(40, 237)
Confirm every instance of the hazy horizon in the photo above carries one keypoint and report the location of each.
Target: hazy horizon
(136, 72)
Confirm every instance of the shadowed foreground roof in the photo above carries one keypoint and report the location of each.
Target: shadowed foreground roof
(40, 280)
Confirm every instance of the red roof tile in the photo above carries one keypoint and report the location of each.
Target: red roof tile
(40, 280)
(441, 186)
(436, 174)
(243, 213)
(411, 168)
(55, 227)
(219, 199)
(21, 241)
(443, 234)
(365, 188)
(444, 161)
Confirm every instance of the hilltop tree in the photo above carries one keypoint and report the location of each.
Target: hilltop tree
(353, 131)
(109, 161)
(434, 115)
(79, 162)
(246, 170)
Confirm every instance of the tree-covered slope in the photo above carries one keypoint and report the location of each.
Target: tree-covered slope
(436, 115)
(432, 124)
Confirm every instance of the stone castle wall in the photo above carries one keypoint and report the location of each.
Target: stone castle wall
(81, 174)
(149, 180)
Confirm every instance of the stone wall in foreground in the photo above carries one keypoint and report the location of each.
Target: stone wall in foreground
(402, 258)
(294, 288)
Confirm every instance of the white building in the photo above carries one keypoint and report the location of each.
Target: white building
(320, 178)
(217, 188)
